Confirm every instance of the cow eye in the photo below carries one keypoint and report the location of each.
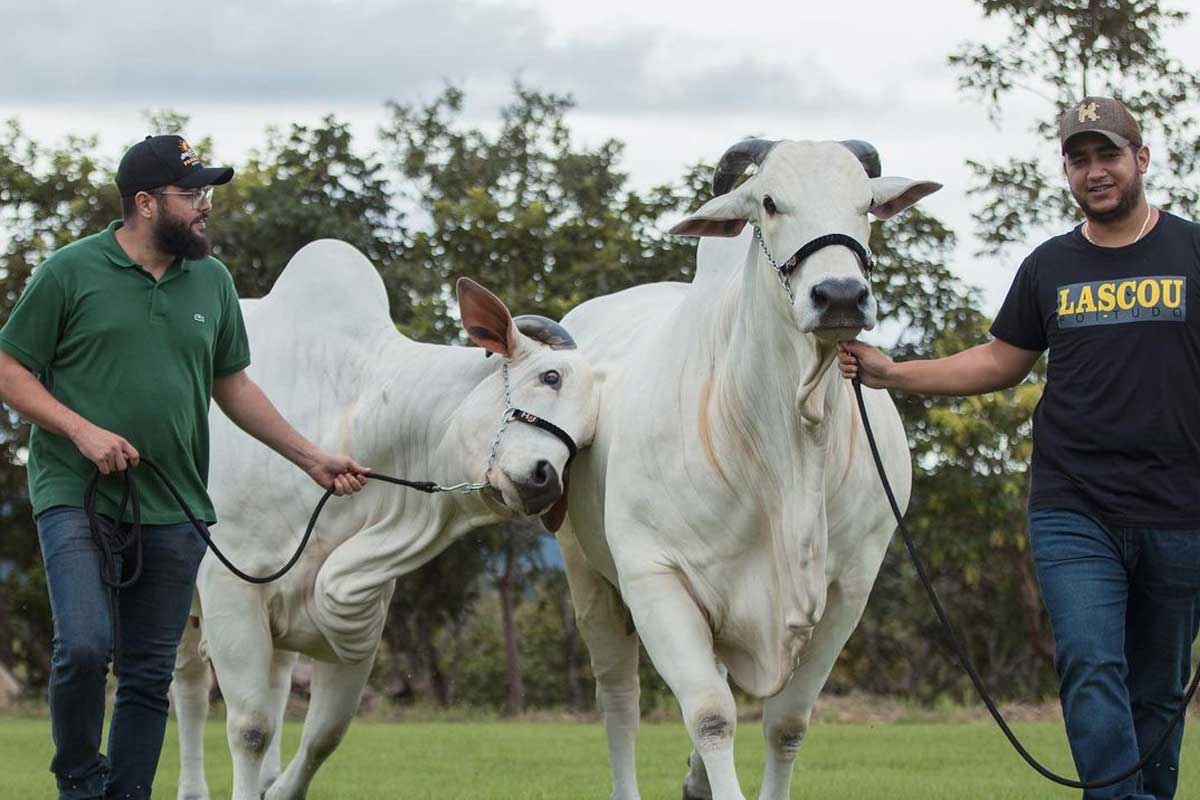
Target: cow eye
(551, 378)
(769, 204)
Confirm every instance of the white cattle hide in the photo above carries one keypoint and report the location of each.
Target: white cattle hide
(729, 505)
(326, 352)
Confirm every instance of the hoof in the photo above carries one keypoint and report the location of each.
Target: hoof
(696, 775)
(692, 793)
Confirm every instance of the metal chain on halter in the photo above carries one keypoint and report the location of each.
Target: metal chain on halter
(780, 271)
(467, 488)
(783, 271)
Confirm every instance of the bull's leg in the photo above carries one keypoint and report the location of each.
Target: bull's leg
(282, 663)
(189, 694)
(695, 783)
(678, 639)
(786, 715)
(604, 624)
(240, 646)
(336, 692)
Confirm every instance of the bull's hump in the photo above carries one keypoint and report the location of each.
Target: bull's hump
(330, 276)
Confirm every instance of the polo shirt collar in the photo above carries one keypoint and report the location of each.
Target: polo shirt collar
(116, 254)
(112, 248)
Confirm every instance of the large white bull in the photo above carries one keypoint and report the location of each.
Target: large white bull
(729, 506)
(326, 351)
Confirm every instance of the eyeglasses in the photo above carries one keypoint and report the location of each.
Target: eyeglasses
(199, 196)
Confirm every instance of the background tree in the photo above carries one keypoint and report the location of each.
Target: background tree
(540, 220)
(308, 184)
(1061, 51)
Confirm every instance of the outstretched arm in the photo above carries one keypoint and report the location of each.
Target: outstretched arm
(251, 410)
(983, 368)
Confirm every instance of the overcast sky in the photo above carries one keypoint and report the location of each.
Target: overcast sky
(676, 81)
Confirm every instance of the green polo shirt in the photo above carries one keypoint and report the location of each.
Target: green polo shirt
(134, 356)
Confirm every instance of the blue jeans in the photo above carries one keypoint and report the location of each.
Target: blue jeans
(152, 613)
(1124, 605)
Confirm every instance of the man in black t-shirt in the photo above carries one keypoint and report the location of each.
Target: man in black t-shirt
(1114, 501)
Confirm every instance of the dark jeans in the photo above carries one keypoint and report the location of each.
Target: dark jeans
(152, 614)
(1123, 603)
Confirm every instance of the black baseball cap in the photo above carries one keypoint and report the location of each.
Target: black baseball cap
(158, 161)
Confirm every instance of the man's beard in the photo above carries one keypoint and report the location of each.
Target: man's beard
(1124, 207)
(174, 237)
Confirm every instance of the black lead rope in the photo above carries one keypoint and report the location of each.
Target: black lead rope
(113, 542)
(961, 652)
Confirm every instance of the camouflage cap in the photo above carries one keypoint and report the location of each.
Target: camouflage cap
(1102, 115)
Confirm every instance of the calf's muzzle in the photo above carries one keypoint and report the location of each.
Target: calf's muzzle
(540, 489)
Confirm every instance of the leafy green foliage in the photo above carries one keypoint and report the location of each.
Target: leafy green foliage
(1061, 51)
(540, 221)
(305, 185)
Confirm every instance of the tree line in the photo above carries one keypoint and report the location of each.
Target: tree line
(546, 223)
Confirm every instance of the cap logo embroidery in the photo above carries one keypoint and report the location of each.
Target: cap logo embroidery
(198, 317)
(1088, 112)
(186, 154)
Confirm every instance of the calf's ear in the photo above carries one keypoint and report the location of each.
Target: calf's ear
(485, 318)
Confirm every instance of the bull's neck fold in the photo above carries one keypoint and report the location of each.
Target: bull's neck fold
(772, 390)
(409, 424)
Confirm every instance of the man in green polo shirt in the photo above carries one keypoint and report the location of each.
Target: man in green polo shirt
(115, 349)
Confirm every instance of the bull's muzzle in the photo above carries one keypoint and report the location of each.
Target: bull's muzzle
(841, 303)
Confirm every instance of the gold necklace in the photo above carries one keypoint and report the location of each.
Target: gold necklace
(1136, 239)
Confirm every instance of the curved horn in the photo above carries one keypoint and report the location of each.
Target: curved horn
(544, 330)
(867, 155)
(736, 159)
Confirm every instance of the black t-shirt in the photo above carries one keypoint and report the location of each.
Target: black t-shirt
(1117, 432)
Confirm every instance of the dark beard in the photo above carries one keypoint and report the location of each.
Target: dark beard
(1124, 207)
(174, 237)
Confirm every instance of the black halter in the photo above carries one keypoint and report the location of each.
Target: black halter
(548, 426)
(784, 271)
(828, 240)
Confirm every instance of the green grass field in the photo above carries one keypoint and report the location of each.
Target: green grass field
(529, 760)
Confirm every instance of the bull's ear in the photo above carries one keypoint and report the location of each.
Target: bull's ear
(890, 196)
(724, 215)
(485, 318)
(553, 519)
